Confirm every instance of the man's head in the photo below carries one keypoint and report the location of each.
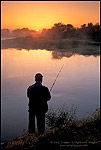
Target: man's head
(38, 77)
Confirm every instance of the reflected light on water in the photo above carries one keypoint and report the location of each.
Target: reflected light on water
(77, 84)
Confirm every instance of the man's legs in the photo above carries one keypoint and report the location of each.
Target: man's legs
(41, 122)
(31, 122)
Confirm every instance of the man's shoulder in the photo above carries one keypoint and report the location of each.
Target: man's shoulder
(37, 86)
(45, 87)
(30, 87)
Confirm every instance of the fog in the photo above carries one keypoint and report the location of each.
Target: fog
(63, 40)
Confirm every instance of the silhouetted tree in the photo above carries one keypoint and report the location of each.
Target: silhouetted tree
(23, 32)
(56, 32)
(69, 26)
(69, 31)
(5, 33)
(83, 26)
(90, 25)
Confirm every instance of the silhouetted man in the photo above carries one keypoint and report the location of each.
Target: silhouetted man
(38, 96)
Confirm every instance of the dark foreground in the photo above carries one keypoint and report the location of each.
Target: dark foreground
(74, 134)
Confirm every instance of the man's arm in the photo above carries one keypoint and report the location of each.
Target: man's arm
(47, 95)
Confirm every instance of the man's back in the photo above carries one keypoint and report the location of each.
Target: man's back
(38, 97)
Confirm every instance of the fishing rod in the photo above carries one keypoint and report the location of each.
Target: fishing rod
(56, 77)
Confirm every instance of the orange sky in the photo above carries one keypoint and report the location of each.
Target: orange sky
(43, 14)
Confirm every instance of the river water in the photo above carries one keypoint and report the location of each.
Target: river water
(77, 84)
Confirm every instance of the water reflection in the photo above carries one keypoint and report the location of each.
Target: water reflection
(77, 84)
(59, 55)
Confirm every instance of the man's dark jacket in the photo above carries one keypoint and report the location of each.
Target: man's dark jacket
(38, 96)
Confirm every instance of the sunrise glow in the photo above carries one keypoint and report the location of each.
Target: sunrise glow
(43, 14)
(37, 30)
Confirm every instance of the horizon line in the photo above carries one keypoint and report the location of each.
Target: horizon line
(47, 28)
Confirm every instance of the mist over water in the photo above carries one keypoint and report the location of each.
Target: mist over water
(77, 84)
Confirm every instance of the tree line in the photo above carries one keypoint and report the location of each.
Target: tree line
(58, 31)
(62, 31)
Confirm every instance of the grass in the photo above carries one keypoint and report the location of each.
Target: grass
(65, 131)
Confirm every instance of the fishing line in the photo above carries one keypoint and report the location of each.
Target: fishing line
(56, 78)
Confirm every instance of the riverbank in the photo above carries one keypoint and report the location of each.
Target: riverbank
(80, 46)
(72, 134)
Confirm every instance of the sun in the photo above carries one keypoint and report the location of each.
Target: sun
(37, 30)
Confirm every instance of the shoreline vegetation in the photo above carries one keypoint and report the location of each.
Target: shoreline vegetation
(59, 38)
(59, 47)
(66, 131)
